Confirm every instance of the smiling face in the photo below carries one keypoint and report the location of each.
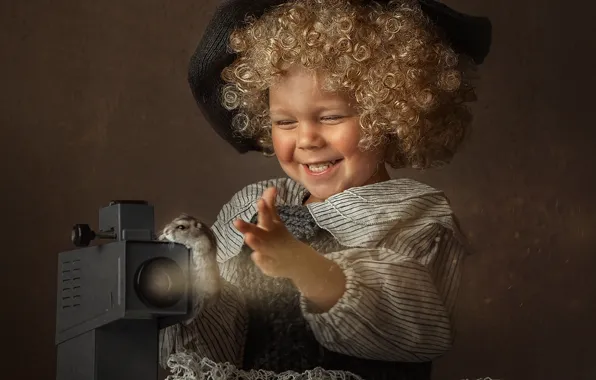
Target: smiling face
(315, 137)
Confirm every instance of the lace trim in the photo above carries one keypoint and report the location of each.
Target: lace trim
(188, 366)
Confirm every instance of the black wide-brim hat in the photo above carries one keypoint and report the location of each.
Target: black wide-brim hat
(469, 35)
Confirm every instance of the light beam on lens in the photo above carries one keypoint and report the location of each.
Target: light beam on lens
(160, 282)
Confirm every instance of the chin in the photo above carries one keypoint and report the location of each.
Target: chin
(323, 191)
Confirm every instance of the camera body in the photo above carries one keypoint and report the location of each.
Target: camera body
(113, 298)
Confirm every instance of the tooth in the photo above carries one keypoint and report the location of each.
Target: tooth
(320, 167)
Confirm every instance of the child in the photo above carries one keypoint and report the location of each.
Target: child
(337, 266)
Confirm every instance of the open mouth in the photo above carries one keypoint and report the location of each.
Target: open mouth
(321, 167)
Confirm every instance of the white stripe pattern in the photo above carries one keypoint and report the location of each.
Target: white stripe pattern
(402, 255)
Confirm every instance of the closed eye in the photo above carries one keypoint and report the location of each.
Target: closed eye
(284, 122)
(334, 117)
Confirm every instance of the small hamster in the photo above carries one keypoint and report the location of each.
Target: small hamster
(198, 237)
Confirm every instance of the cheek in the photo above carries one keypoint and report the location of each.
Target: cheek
(345, 141)
(283, 145)
(347, 145)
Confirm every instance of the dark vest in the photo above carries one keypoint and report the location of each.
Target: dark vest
(280, 339)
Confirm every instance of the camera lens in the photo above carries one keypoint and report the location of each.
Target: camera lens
(160, 283)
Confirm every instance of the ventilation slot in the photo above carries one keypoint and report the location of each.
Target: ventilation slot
(71, 284)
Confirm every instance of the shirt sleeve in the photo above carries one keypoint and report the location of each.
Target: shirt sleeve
(399, 297)
(218, 332)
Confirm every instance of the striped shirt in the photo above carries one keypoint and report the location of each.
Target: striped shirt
(402, 257)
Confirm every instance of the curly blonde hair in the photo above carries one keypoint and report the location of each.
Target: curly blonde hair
(409, 85)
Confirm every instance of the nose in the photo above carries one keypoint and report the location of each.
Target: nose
(309, 136)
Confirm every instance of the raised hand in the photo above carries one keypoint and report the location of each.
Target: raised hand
(276, 251)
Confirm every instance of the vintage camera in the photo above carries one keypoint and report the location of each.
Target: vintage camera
(113, 298)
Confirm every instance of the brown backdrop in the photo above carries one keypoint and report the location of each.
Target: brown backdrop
(95, 106)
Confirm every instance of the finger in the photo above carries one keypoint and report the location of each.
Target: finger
(253, 241)
(249, 228)
(254, 236)
(265, 217)
(269, 197)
